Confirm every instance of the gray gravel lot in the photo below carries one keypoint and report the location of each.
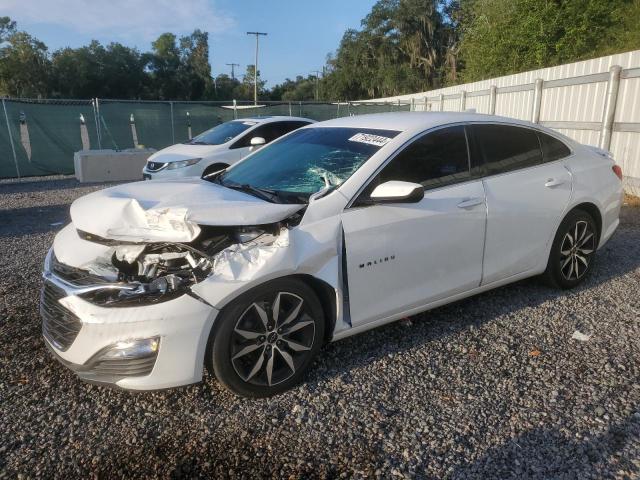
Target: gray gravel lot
(490, 387)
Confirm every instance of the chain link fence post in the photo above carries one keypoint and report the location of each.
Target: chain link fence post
(13, 149)
(173, 131)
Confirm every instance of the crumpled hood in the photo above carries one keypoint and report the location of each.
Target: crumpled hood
(170, 210)
(183, 151)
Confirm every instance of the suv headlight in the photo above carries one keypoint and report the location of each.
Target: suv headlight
(182, 163)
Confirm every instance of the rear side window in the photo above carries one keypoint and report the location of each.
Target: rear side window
(504, 148)
(436, 159)
(552, 148)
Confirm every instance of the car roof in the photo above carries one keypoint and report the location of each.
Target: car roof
(273, 118)
(414, 121)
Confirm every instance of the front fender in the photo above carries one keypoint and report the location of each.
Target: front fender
(311, 249)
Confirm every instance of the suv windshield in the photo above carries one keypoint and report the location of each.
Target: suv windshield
(222, 133)
(299, 163)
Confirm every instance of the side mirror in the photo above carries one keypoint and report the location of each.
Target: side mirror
(396, 191)
(256, 142)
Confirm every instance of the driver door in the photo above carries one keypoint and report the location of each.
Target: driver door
(405, 255)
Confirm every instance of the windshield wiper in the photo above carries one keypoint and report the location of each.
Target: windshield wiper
(263, 193)
(191, 142)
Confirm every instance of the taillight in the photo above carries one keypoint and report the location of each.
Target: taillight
(618, 171)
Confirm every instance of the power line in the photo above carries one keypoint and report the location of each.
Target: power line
(233, 65)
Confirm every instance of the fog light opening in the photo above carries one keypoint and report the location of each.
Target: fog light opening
(131, 349)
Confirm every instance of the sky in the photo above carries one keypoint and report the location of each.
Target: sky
(300, 33)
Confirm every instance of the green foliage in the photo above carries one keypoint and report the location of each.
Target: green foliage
(403, 46)
(175, 69)
(500, 37)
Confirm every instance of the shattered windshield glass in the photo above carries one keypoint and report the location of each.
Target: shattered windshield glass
(300, 162)
(222, 133)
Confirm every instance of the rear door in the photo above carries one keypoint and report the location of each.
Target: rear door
(526, 197)
(404, 255)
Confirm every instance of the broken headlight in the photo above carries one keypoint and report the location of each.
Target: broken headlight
(152, 274)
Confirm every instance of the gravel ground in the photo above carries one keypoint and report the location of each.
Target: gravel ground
(490, 387)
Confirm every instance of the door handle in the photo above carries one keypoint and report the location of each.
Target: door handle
(470, 202)
(552, 182)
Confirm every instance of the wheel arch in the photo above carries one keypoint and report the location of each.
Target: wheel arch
(324, 291)
(593, 210)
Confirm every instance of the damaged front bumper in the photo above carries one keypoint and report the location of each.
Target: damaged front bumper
(139, 347)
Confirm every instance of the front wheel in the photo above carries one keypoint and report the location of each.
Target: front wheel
(264, 340)
(572, 251)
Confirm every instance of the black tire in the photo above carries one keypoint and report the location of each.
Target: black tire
(292, 340)
(213, 168)
(569, 264)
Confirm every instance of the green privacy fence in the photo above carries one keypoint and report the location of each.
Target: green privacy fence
(39, 137)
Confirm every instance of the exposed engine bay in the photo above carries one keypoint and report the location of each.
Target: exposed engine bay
(142, 273)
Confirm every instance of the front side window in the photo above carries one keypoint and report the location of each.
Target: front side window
(300, 162)
(552, 149)
(222, 133)
(504, 148)
(438, 158)
(269, 132)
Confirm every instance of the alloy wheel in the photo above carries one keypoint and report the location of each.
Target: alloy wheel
(575, 250)
(272, 339)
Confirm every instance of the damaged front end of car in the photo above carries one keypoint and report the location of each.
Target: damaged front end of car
(128, 274)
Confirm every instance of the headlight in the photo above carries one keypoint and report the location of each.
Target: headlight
(182, 163)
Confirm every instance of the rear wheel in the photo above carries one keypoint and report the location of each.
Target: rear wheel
(266, 339)
(572, 251)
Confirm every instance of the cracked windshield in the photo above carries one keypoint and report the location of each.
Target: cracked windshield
(308, 159)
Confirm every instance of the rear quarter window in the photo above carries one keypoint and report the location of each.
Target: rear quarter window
(552, 148)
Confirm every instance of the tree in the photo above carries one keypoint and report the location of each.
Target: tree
(24, 63)
(116, 71)
(195, 68)
(165, 67)
(244, 91)
(404, 46)
(500, 37)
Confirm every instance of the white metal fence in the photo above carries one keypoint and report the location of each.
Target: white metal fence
(596, 102)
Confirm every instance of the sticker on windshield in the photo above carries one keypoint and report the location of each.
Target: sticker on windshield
(377, 140)
(249, 123)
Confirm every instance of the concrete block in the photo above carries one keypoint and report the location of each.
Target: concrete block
(110, 165)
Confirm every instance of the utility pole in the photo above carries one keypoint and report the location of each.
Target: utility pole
(233, 72)
(317, 72)
(255, 67)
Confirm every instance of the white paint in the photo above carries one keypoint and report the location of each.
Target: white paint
(401, 258)
(211, 154)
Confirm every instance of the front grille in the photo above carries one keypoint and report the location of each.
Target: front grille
(155, 166)
(74, 275)
(59, 325)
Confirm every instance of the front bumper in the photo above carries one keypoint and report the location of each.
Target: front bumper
(182, 326)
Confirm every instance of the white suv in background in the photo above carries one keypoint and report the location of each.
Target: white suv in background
(219, 147)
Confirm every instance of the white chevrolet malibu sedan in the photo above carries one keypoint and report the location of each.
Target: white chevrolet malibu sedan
(334, 229)
(219, 147)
